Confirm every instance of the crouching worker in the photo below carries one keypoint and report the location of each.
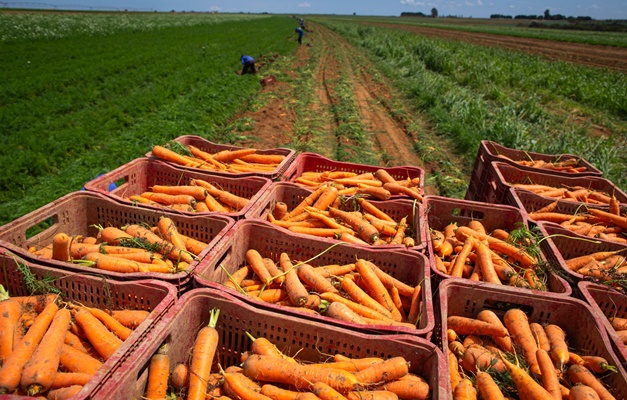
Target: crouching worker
(249, 65)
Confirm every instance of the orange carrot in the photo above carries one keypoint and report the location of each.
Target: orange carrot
(277, 393)
(413, 316)
(130, 318)
(527, 387)
(165, 247)
(169, 199)
(550, 380)
(540, 336)
(484, 262)
(374, 210)
(104, 341)
(375, 288)
(409, 387)
(74, 360)
(453, 370)
(230, 155)
(255, 260)
(465, 390)
(580, 374)
(158, 373)
(371, 395)
(306, 202)
(488, 389)
(168, 230)
(221, 195)
(597, 364)
(386, 371)
(358, 295)
(503, 342)
(9, 315)
(471, 326)
(64, 393)
(477, 357)
(395, 188)
(294, 287)
(179, 378)
(326, 392)
(360, 309)
(61, 247)
(312, 278)
(460, 259)
(168, 155)
(559, 348)
(239, 386)
(111, 323)
(582, 392)
(516, 322)
(203, 353)
(65, 379)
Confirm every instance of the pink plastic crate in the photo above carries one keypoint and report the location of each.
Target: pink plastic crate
(312, 162)
(441, 211)
(79, 213)
(607, 303)
(308, 341)
(230, 255)
(292, 194)
(210, 147)
(151, 295)
(585, 333)
(140, 175)
(505, 175)
(489, 151)
(561, 244)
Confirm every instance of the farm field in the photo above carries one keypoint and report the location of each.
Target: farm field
(77, 104)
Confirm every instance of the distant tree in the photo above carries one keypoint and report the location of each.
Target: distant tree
(354, 13)
(547, 14)
(434, 12)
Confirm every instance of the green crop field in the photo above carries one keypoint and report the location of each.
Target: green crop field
(86, 93)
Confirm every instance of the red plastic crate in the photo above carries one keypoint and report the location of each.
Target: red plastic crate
(312, 162)
(489, 151)
(79, 213)
(270, 241)
(306, 340)
(505, 175)
(607, 303)
(561, 244)
(140, 175)
(210, 147)
(151, 295)
(585, 333)
(441, 211)
(292, 194)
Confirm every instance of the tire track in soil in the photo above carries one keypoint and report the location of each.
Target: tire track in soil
(391, 140)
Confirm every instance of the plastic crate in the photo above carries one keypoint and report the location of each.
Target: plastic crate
(489, 151)
(79, 213)
(292, 194)
(312, 162)
(607, 303)
(151, 295)
(141, 174)
(441, 211)
(585, 333)
(505, 175)
(270, 241)
(561, 244)
(210, 147)
(307, 340)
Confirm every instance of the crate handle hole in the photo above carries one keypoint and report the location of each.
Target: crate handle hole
(41, 226)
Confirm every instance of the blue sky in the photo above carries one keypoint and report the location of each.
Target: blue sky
(597, 9)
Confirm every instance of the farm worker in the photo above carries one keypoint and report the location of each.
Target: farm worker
(301, 33)
(249, 65)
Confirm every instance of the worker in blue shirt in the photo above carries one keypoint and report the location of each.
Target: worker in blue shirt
(301, 33)
(249, 65)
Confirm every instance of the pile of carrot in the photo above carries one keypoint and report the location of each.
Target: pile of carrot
(603, 266)
(380, 184)
(52, 348)
(231, 161)
(319, 215)
(359, 293)
(569, 165)
(198, 196)
(608, 225)
(576, 194)
(266, 373)
(470, 252)
(131, 248)
(620, 327)
(512, 357)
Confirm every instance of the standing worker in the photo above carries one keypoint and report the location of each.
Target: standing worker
(301, 33)
(249, 65)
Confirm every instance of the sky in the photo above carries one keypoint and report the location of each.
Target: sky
(597, 9)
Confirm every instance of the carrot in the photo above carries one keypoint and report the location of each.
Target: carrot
(365, 230)
(409, 387)
(263, 158)
(349, 238)
(167, 229)
(527, 387)
(9, 316)
(386, 371)
(516, 322)
(559, 348)
(64, 393)
(486, 386)
(179, 378)
(540, 336)
(61, 247)
(238, 386)
(550, 380)
(477, 357)
(262, 368)
(74, 360)
(376, 192)
(326, 392)
(375, 288)
(65, 379)
(395, 188)
(294, 287)
(374, 210)
(277, 393)
(465, 390)
(453, 370)
(340, 311)
(358, 295)
(485, 263)
(617, 220)
(104, 341)
(578, 262)
(255, 260)
(582, 392)
(168, 155)
(503, 342)
(222, 196)
(203, 353)
(371, 395)
(350, 364)
(312, 278)
(597, 364)
(362, 310)
(111, 323)
(460, 259)
(158, 373)
(165, 247)
(230, 155)
(307, 201)
(617, 323)
(413, 316)
(113, 236)
(580, 374)
(169, 199)
(130, 318)
(471, 326)
(115, 264)
(203, 155)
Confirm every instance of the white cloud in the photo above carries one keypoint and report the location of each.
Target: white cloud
(479, 2)
(304, 5)
(413, 3)
(214, 8)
